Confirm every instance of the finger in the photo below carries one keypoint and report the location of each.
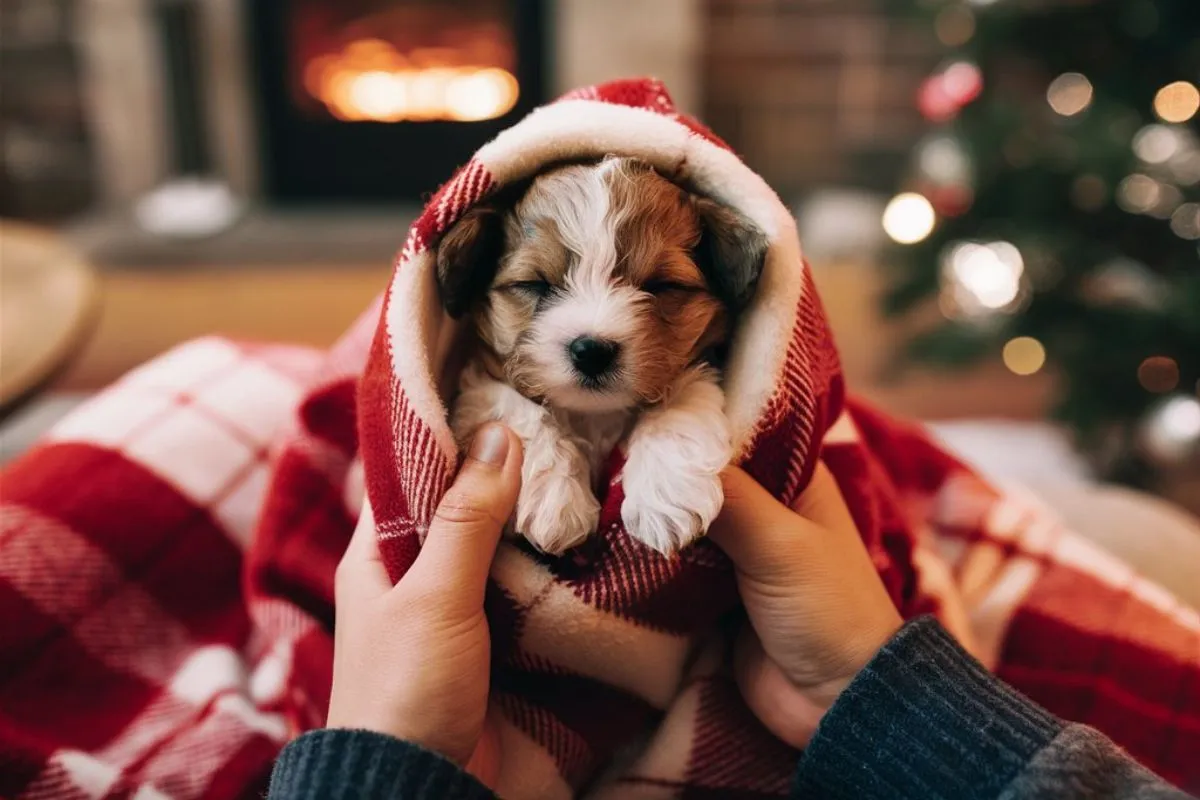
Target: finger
(462, 540)
(822, 502)
(360, 574)
(782, 708)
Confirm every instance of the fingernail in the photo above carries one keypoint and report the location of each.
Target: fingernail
(490, 445)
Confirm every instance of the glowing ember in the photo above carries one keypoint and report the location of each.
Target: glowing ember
(370, 80)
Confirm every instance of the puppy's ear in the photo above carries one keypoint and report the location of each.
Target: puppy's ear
(730, 253)
(467, 258)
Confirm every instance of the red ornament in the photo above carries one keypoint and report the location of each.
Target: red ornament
(944, 94)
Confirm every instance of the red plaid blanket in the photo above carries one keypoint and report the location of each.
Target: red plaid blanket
(167, 552)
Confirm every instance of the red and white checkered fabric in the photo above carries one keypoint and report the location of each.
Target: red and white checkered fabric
(167, 553)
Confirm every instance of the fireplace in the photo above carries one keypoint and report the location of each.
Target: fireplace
(328, 121)
(369, 100)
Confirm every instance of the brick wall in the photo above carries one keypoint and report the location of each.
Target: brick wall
(813, 91)
(45, 161)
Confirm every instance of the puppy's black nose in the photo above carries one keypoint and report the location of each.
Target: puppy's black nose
(592, 357)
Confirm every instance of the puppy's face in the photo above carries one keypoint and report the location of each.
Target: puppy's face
(601, 284)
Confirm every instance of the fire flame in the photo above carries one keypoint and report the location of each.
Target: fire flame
(370, 80)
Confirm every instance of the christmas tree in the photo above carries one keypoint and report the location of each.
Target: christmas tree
(1053, 212)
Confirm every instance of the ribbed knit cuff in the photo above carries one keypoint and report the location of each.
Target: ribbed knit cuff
(923, 720)
(334, 764)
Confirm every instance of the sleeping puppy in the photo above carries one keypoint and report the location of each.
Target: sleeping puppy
(602, 299)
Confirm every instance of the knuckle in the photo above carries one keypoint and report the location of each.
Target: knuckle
(459, 509)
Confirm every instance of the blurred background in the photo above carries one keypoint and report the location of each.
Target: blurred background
(1000, 198)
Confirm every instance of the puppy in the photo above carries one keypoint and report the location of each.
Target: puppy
(602, 299)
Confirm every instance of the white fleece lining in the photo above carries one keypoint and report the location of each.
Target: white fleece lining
(577, 129)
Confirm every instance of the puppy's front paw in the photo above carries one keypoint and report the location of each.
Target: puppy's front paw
(668, 509)
(555, 512)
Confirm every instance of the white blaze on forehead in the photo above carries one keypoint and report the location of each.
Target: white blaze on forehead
(579, 201)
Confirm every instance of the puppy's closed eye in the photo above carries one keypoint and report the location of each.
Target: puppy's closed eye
(532, 288)
(664, 286)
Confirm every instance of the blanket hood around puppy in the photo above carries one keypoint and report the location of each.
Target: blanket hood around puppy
(783, 382)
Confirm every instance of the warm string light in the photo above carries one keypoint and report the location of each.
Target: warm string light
(1024, 355)
(1069, 94)
(1156, 144)
(1138, 193)
(982, 278)
(1185, 222)
(1141, 194)
(941, 159)
(909, 218)
(1177, 102)
(1170, 151)
(1170, 433)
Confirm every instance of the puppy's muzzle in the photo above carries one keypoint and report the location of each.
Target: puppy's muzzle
(593, 358)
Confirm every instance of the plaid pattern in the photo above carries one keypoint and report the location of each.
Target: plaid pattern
(167, 555)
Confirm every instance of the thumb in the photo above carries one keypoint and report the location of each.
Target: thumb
(758, 533)
(462, 539)
(765, 539)
(360, 575)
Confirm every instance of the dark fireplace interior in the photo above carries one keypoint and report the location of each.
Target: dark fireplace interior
(379, 100)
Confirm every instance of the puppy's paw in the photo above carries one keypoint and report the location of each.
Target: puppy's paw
(666, 510)
(556, 512)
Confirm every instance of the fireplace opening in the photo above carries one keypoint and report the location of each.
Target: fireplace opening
(379, 100)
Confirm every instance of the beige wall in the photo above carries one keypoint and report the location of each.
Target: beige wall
(597, 40)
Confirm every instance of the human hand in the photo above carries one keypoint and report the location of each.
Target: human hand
(412, 660)
(818, 609)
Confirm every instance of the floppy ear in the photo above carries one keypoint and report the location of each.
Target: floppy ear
(730, 253)
(467, 258)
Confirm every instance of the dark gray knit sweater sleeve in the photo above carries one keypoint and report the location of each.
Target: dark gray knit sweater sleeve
(1082, 762)
(925, 720)
(331, 764)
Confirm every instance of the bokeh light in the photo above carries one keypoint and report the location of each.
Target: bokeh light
(1069, 94)
(983, 277)
(1024, 355)
(941, 159)
(1171, 432)
(1155, 144)
(1177, 102)
(1139, 193)
(1185, 222)
(1158, 374)
(909, 218)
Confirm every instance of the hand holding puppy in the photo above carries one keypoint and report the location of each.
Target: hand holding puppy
(818, 609)
(412, 660)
